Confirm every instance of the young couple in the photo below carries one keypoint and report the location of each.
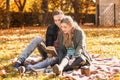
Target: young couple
(69, 41)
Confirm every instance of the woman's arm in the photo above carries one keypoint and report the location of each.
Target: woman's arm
(61, 49)
(79, 42)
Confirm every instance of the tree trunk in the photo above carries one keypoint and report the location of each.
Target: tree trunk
(76, 7)
(21, 6)
(8, 12)
(44, 7)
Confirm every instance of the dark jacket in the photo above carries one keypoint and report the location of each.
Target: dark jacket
(51, 34)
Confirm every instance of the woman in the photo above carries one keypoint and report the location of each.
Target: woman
(72, 43)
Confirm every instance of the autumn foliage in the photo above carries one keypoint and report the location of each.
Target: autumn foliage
(103, 41)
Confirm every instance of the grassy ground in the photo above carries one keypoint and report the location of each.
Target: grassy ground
(104, 41)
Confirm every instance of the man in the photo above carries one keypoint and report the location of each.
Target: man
(51, 40)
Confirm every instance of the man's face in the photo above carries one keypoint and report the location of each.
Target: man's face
(57, 19)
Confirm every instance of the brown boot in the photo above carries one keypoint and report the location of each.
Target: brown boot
(57, 70)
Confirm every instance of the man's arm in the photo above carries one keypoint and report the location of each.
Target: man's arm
(49, 36)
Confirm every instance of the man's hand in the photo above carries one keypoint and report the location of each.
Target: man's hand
(49, 55)
(43, 44)
(53, 58)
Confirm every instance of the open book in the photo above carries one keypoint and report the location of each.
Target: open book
(49, 49)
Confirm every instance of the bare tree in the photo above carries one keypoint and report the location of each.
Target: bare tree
(20, 4)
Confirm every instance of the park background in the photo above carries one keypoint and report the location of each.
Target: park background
(22, 20)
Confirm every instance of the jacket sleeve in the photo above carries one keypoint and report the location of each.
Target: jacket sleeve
(79, 42)
(49, 36)
(61, 49)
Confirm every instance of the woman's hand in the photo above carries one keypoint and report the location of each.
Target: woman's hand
(71, 61)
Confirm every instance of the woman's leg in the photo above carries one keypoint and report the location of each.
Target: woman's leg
(58, 69)
(63, 64)
(76, 64)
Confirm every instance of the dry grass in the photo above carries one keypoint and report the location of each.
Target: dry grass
(104, 41)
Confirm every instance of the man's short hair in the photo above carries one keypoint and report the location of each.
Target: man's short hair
(57, 12)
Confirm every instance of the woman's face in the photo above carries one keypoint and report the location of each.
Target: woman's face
(66, 28)
(57, 19)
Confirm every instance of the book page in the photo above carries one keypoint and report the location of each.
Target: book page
(49, 49)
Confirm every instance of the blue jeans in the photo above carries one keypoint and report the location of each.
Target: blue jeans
(35, 43)
(43, 64)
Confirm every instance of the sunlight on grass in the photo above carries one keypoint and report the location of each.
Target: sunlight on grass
(103, 41)
(13, 41)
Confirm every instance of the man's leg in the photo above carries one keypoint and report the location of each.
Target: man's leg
(43, 64)
(28, 50)
(41, 51)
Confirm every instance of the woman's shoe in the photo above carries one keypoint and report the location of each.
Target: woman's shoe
(57, 70)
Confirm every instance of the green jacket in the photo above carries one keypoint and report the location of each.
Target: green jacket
(79, 44)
